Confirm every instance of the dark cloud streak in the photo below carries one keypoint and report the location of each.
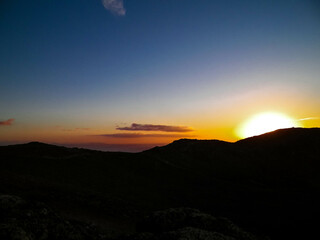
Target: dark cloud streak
(141, 135)
(151, 127)
(8, 122)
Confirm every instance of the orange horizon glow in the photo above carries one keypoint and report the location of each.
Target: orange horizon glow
(224, 128)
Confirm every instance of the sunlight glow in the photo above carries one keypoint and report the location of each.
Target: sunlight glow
(265, 122)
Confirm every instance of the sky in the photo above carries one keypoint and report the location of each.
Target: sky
(127, 75)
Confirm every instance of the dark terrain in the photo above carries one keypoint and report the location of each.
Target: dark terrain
(264, 186)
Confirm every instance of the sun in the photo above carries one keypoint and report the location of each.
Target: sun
(265, 122)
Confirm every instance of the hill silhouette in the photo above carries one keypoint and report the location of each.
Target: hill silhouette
(268, 184)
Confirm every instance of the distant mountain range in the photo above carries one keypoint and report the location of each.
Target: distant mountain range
(268, 185)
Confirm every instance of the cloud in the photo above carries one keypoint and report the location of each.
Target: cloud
(8, 122)
(71, 129)
(115, 6)
(67, 130)
(140, 135)
(151, 127)
(308, 118)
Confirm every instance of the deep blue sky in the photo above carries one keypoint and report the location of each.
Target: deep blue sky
(75, 63)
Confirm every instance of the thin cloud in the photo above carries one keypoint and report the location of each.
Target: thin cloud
(141, 135)
(115, 6)
(67, 130)
(8, 122)
(83, 129)
(151, 127)
(308, 118)
(72, 129)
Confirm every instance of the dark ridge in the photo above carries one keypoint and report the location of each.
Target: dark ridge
(187, 145)
(285, 136)
(39, 149)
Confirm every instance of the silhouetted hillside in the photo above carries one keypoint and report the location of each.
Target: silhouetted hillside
(268, 184)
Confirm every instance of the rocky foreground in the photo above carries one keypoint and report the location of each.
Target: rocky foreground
(26, 220)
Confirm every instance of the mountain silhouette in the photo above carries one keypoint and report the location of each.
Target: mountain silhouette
(268, 185)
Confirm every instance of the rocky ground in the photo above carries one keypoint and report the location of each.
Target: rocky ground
(27, 220)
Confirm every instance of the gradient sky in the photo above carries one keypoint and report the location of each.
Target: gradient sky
(81, 72)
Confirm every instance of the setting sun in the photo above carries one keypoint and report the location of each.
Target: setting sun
(265, 122)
